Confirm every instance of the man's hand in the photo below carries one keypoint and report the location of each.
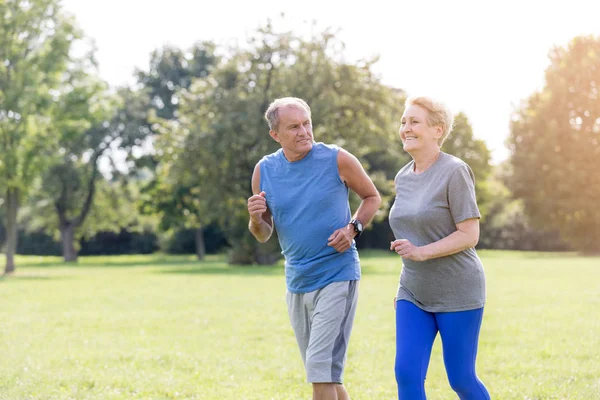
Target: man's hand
(341, 239)
(407, 250)
(257, 206)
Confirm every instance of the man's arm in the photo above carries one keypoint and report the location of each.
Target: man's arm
(354, 176)
(261, 220)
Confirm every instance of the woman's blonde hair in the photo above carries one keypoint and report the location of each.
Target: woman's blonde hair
(438, 114)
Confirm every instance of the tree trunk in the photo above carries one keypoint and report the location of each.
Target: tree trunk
(200, 247)
(67, 236)
(12, 208)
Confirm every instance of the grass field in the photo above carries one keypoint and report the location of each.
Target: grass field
(158, 327)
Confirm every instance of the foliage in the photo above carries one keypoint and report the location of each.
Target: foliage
(35, 48)
(507, 226)
(221, 133)
(555, 146)
(169, 193)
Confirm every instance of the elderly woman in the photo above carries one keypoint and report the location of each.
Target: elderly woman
(435, 220)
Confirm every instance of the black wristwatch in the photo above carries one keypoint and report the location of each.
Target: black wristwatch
(358, 227)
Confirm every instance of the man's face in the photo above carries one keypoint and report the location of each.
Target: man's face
(294, 132)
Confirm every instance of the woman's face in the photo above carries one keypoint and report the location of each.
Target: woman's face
(415, 131)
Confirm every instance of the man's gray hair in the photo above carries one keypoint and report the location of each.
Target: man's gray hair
(272, 113)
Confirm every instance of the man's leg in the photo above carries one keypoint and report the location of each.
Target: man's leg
(329, 391)
(341, 392)
(300, 316)
(333, 317)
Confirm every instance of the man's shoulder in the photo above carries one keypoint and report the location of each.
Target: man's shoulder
(320, 147)
(324, 150)
(327, 146)
(269, 158)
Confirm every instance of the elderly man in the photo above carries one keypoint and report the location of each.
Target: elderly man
(302, 191)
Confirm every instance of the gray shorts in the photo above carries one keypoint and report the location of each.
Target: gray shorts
(322, 322)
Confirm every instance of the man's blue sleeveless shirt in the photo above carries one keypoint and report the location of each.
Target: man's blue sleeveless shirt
(309, 202)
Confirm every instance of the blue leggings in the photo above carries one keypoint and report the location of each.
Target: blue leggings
(415, 332)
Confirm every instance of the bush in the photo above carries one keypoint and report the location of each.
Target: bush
(184, 241)
(124, 242)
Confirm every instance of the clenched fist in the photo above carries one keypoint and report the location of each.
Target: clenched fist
(257, 206)
(341, 239)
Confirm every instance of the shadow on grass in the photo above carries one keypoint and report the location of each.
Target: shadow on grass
(166, 262)
(117, 262)
(224, 269)
(28, 277)
(213, 264)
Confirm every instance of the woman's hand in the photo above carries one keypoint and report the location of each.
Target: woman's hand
(407, 250)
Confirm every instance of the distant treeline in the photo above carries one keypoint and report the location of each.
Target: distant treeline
(516, 237)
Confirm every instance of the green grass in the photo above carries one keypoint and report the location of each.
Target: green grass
(158, 327)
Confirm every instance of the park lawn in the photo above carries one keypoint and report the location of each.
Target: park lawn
(165, 327)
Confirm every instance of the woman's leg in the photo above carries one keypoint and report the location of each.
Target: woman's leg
(415, 332)
(460, 335)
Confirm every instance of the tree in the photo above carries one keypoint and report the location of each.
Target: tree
(91, 127)
(35, 43)
(170, 70)
(555, 146)
(72, 181)
(81, 115)
(222, 133)
(506, 224)
(176, 202)
(169, 193)
(110, 214)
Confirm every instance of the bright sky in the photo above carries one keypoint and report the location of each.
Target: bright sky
(480, 57)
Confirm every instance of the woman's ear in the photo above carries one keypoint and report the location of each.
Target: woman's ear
(439, 131)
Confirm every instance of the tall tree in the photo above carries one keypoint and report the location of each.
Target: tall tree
(506, 224)
(71, 180)
(555, 146)
(35, 43)
(174, 199)
(223, 134)
(172, 69)
(169, 193)
(92, 128)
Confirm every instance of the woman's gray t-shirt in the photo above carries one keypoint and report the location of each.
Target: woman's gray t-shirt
(427, 208)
